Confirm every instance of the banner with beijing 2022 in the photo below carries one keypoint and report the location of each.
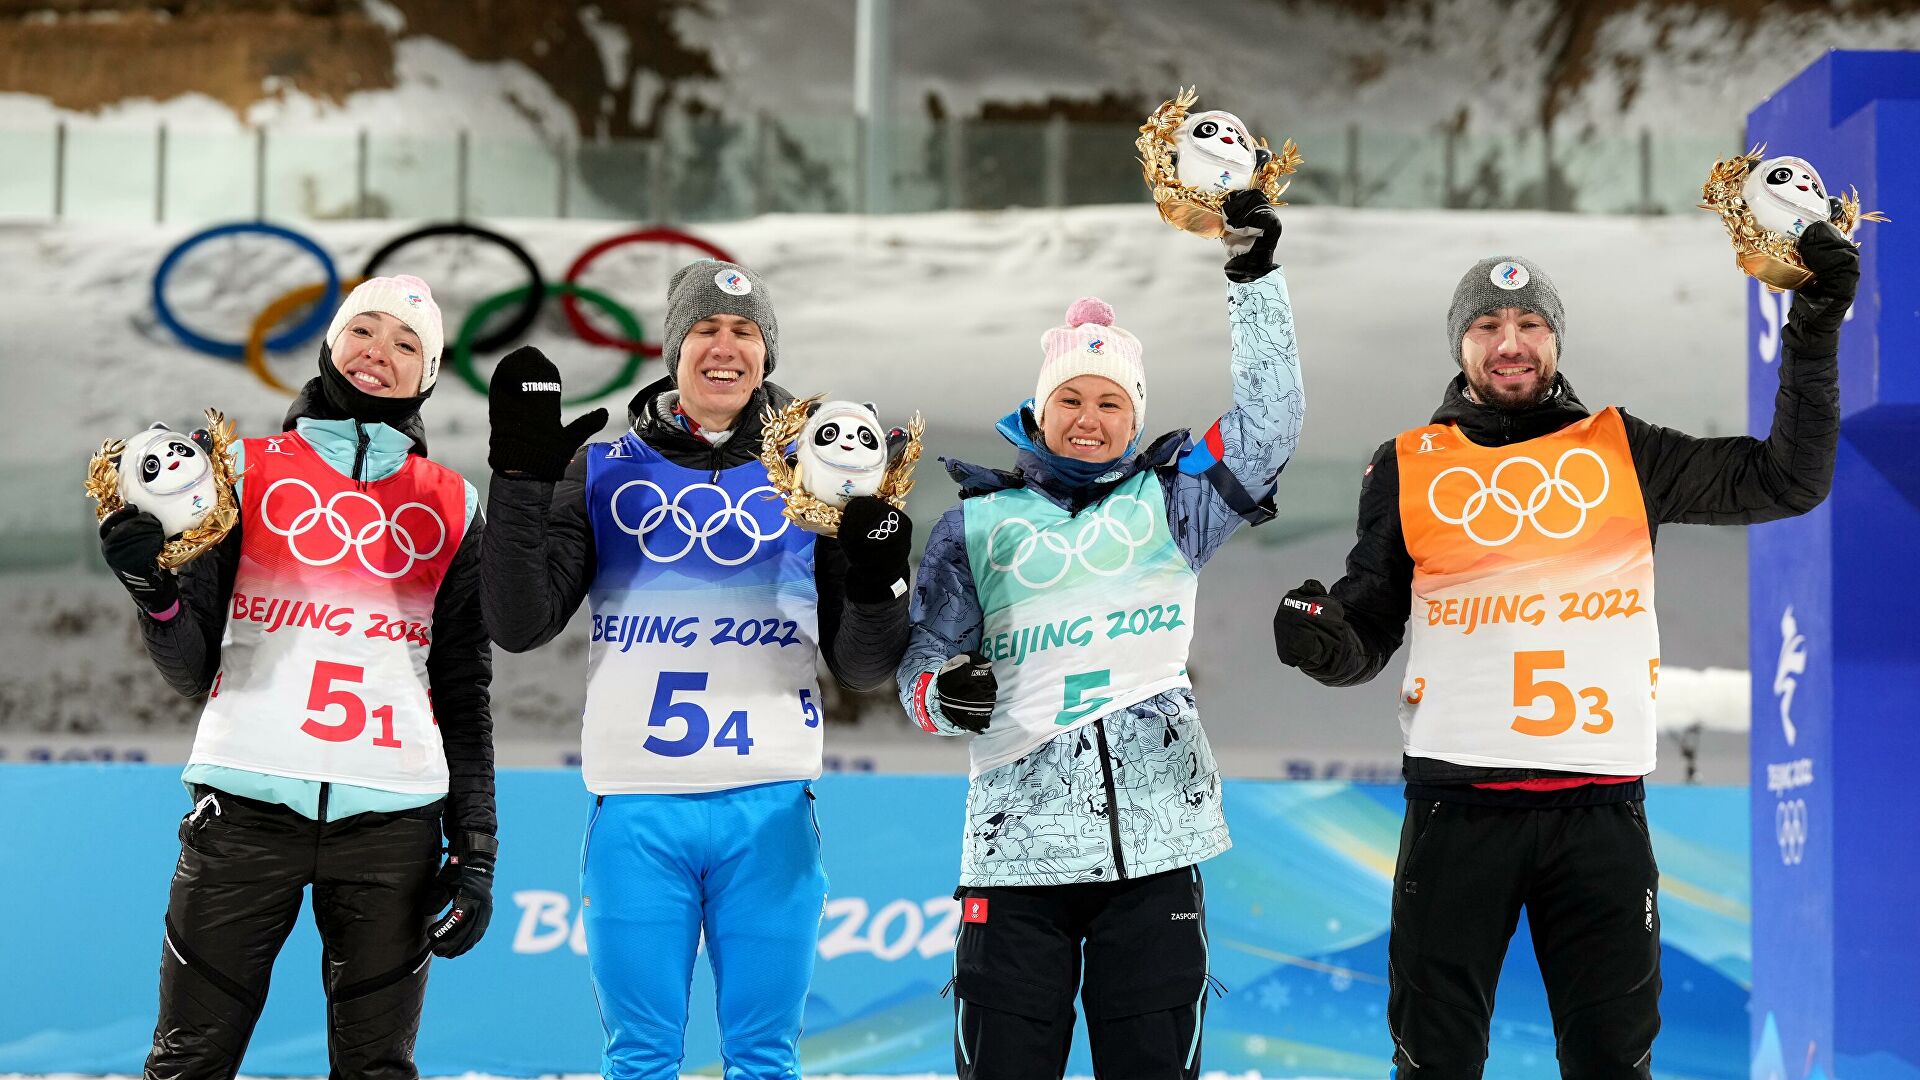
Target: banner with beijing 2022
(1297, 915)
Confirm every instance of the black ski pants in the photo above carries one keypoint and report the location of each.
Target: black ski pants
(1587, 879)
(1018, 963)
(236, 895)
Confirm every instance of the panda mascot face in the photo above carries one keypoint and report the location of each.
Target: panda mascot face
(842, 453)
(1214, 153)
(1785, 195)
(169, 475)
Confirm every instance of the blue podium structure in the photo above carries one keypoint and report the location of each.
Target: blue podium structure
(1834, 648)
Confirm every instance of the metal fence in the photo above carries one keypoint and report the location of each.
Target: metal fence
(710, 169)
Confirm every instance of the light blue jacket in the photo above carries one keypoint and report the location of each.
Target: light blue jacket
(1136, 792)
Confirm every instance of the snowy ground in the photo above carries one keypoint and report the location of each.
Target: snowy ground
(940, 313)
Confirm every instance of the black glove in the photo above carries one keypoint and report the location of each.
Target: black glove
(877, 539)
(466, 882)
(967, 691)
(1253, 228)
(130, 541)
(1819, 307)
(523, 406)
(1310, 628)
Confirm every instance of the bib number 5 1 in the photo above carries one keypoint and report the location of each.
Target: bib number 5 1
(323, 694)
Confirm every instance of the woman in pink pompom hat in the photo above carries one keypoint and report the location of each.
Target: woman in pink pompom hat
(1051, 621)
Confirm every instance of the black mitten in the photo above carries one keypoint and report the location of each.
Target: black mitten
(1310, 627)
(1820, 306)
(1253, 229)
(523, 407)
(466, 880)
(877, 539)
(130, 542)
(967, 691)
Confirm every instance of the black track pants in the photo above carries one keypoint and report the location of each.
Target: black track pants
(235, 896)
(1144, 944)
(1587, 878)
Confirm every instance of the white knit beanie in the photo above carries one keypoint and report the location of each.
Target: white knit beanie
(1089, 344)
(408, 299)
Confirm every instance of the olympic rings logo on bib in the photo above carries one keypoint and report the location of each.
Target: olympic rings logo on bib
(1052, 556)
(1556, 507)
(702, 514)
(343, 534)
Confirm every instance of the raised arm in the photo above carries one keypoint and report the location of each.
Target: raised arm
(1741, 480)
(1227, 476)
(537, 551)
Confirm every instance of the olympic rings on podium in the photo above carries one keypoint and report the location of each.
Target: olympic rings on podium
(463, 345)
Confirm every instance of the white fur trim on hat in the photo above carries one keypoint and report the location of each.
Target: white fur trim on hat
(1089, 344)
(408, 299)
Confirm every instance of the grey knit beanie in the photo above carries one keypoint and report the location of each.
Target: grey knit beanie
(1505, 281)
(709, 287)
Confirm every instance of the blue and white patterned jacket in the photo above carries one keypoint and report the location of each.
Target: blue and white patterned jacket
(1137, 792)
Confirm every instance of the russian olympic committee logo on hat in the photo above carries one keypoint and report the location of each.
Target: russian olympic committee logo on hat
(1510, 276)
(732, 282)
(1556, 506)
(667, 529)
(354, 521)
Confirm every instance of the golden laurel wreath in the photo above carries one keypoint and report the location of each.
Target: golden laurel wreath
(1188, 208)
(1771, 257)
(779, 427)
(103, 486)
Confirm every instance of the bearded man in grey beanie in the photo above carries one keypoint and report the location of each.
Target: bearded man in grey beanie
(1517, 528)
(702, 722)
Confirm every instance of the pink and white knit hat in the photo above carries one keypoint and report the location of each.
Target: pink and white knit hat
(408, 299)
(1089, 344)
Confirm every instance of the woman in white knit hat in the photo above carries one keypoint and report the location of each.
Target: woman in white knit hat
(1051, 621)
(335, 748)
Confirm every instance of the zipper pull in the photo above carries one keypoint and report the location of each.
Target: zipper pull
(359, 454)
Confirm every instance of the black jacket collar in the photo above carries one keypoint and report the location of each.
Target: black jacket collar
(652, 419)
(312, 403)
(1492, 426)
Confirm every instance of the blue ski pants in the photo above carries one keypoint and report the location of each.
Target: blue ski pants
(741, 866)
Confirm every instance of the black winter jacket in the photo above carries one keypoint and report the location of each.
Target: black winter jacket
(1735, 480)
(539, 549)
(186, 648)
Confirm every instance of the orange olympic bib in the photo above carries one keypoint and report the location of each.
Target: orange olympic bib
(1533, 640)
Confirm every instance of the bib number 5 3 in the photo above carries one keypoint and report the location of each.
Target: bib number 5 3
(1529, 688)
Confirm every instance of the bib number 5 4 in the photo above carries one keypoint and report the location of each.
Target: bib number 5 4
(695, 726)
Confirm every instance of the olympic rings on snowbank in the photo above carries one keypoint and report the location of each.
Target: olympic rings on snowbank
(464, 346)
(322, 299)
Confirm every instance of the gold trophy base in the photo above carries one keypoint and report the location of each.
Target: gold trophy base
(1777, 274)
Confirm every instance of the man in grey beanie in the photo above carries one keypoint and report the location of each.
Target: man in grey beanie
(702, 726)
(1520, 525)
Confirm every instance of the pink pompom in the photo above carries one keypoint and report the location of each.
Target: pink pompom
(1090, 309)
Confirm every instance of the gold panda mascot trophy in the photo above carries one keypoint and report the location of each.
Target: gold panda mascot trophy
(1193, 162)
(184, 480)
(1766, 203)
(840, 452)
